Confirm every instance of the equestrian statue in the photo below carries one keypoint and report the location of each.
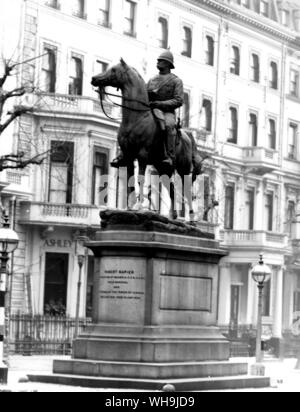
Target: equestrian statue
(149, 132)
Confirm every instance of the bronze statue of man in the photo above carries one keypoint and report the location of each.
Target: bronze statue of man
(166, 94)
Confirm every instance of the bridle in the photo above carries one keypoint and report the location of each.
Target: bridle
(101, 91)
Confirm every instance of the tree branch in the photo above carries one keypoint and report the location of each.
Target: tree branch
(18, 111)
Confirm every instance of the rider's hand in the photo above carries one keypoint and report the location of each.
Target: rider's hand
(154, 105)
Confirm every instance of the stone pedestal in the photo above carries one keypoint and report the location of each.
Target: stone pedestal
(155, 310)
(3, 373)
(155, 295)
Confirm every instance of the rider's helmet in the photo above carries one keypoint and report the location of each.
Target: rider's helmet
(167, 56)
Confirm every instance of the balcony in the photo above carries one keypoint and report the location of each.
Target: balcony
(260, 160)
(63, 104)
(241, 239)
(15, 182)
(41, 214)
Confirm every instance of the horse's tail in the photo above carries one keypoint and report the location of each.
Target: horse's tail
(196, 158)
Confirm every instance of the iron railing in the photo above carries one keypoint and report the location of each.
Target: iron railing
(42, 335)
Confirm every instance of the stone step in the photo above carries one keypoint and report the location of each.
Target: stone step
(149, 370)
(183, 385)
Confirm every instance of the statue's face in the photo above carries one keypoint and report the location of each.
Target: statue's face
(163, 65)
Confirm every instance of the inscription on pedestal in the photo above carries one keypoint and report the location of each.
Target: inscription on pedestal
(186, 293)
(122, 290)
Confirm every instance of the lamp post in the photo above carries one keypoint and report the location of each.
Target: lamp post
(261, 274)
(80, 260)
(9, 241)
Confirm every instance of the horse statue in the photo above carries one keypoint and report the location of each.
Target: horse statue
(140, 135)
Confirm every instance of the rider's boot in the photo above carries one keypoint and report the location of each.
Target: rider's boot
(119, 161)
(169, 159)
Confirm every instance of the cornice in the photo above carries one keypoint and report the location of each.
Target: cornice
(236, 15)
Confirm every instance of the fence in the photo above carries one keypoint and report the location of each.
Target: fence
(42, 335)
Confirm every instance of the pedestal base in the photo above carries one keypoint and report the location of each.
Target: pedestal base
(258, 369)
(3, 374)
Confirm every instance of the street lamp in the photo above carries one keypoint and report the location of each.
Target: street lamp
(9, 241)
(80, 260)
(261, 274)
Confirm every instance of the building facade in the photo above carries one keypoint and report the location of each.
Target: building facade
(239, 61)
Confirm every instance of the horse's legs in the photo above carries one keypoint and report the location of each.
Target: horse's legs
(131, 194)
(188, 194)
(141, 181)
(173, 211)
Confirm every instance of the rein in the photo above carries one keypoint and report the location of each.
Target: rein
(102, 92)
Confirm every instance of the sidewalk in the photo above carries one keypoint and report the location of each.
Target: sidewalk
(284, 377)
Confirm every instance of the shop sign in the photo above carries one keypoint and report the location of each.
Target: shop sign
(58, 243)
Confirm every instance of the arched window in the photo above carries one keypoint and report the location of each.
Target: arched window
(76, 77)
(235, 60)
(187, 42)
(78, 7)
(273, 75)
(272, 134)
(255, 68)
(206, 116)
(233, 125)
(209, 51)
(163, 33)
(253, 129)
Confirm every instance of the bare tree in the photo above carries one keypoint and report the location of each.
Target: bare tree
(18, 160)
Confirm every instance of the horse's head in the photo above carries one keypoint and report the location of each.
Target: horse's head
(115, 76)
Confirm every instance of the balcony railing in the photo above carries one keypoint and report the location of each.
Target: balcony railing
(62, 103)
(242, 238)
(261, 158)
(15, 181)
(39, 213)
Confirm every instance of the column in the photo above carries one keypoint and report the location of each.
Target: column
(277, 324)
(252, 300)
(224, 294)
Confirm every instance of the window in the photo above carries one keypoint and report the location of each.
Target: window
(264, 8)
(273, 76)
(229, 208)
(292, 141)
(206, 115)
(235, 61)
(100, 169)
(78, 8)
(285, 17)
(266, 300)
(291, 214)
(54, 4)
(296, 305)
(233, 125)
(255, 68)
(76, 77)
(187, 42)
(253, 129)
(245, 3)
(272, 134)
(269, 212)
(61, 172)
(48, 82)
(209, 51)
(250, 195)
(163, 33)
(184, 111)
(56, 282)
(104, 13)
(130, 10)
(294, 83)
(90, 287)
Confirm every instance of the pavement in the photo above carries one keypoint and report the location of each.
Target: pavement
(284, 376)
